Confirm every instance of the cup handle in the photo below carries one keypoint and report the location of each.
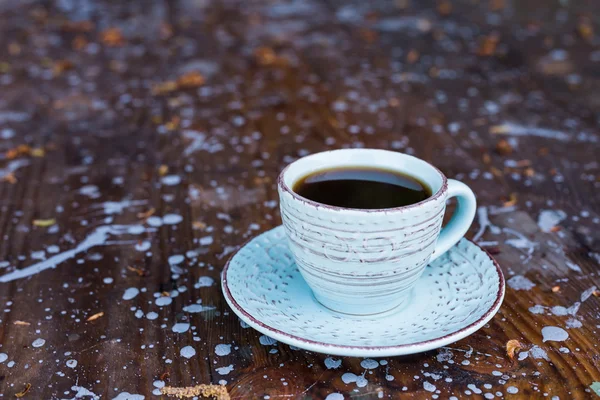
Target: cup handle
(461, 220)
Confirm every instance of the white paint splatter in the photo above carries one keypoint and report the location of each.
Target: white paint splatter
(573, 323)
(81, 392)
(537, 309)
(519, 282)
(98, 237)
(163, 301)
(548, 219)
(171, 219)
(554, 333)
(154, 221)
(144, 245)
(181, 327)
(225, 370)
(331, 363)
(196, 308)
(267, 341)
(573, 267)
(38, 342)
(521, 242)
(404, 23)
(3, 357)
(429, 387)
(512, 129)
(90, 191)
(71, 363)
(484, 223)
(444, 354)
(349, 377)
(171, 180)
(537, 353)
(512, 390)
(587, 293)
(117, 207)
(222, 349)
(187, 352)
(129, 396)
(13, 166)
(334, 396)
(474, 388)
(206, 241)
(204, 281)
(130, 293)
(152, 316)
(369, 364)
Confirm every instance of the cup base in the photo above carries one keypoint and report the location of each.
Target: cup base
(364, 310)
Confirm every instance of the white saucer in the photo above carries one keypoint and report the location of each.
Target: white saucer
(457, 294)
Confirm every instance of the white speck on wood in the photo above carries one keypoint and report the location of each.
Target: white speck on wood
(131, 293)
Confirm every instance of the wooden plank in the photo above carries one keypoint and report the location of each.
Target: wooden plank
(196, 168)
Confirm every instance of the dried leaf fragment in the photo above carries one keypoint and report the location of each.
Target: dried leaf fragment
(10, 178)
(198, 225)
(44, 223)
(173, 123)
(556, 289)
(146, 214)
(21, 323)
(164, 375)
(512, 200)
(585, 29)
(512, 346)
(596, 293)
(265, 55)
(138, 271)
(503, 147)
(412, 56)
(112, 37)
(529, 172)
(163, 170)
(79, 42)
(61, 66)
(487, 45)
(95, 316)
(164, 87)
(217, 392)
(77, 26)
(38, 152)
(191, 79)
(24, 391)
(444, 7)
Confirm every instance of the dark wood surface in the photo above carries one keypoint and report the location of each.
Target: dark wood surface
(185, 111)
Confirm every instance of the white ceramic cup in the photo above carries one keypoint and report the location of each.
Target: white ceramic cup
(364, 261)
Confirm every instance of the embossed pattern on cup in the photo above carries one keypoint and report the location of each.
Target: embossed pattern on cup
(362, 261)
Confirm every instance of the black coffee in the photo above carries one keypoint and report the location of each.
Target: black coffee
(358, 187)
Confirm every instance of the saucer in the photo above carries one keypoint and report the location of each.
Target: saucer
(457, 294)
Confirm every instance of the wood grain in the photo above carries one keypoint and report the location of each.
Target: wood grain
(78, 88)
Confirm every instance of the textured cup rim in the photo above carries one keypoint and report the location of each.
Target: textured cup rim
(457, 334)
(439, 193)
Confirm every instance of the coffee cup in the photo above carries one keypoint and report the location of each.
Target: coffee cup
(366, 261)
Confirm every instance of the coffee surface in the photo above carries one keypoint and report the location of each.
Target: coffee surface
(362, 188)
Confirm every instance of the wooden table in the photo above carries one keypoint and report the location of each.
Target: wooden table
(140, 143)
